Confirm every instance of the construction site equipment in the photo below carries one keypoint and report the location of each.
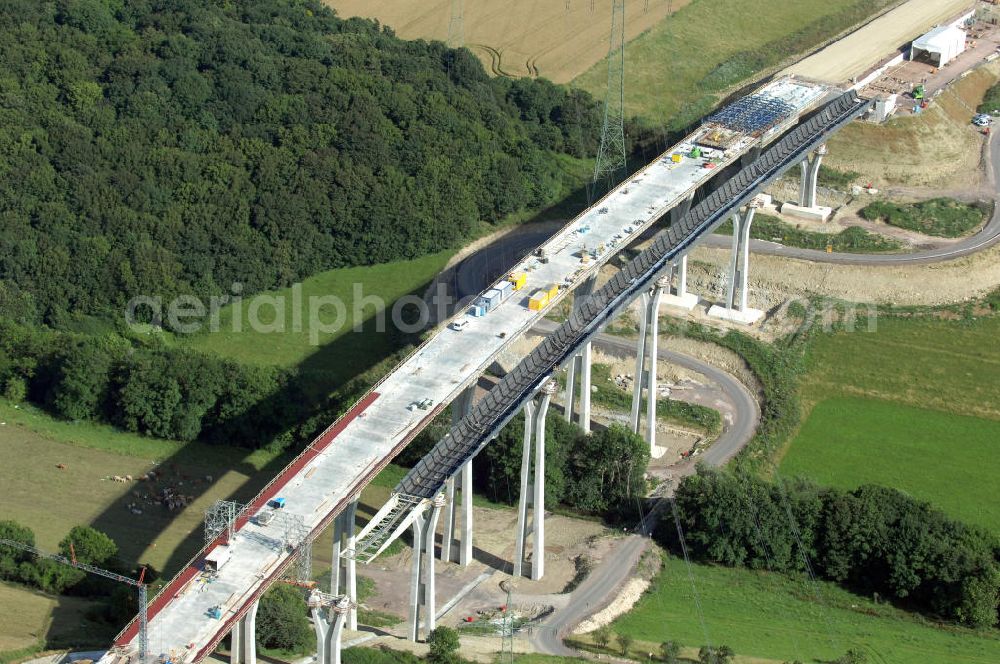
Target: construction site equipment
(216, 558)
(918, 92)
(140, 587)
(695, 152)
(519, 279)
(538, 300)
(676, 158)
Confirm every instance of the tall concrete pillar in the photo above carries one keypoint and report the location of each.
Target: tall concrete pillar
(340, 610)
(417, 553)
(460, 407)
(647, 353)
(682, 278)
(579, 364)
(243, 638)
(422, 593)
(343, 573)
(430, 595)
(250, 634)
(533, 484)
(810, 177)
(320, 626)
(465, 543)
(585, 390)
(736, 305)
(640, 361)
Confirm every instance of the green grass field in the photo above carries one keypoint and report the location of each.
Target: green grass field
(338, 354)
(926, 362)
(950, 460)
(914, 405)
(733, 40)
(942, 217)
(766, 615)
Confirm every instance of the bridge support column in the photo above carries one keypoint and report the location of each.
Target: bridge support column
(807, 207)
(739, 269)
(580, 363)
(647, 351)
(460, 407)
(329, 633)
(680, 297)
(243, 638)
(533, 484)
(422, 594)
(343, 575)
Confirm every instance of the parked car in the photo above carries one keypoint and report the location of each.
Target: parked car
(982, 120)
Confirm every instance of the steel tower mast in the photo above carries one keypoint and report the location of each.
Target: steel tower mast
(611, 156)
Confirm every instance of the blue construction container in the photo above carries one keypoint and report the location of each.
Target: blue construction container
(477, 310)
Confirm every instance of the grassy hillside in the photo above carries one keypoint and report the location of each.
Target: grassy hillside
(767, 615)
(679, 69)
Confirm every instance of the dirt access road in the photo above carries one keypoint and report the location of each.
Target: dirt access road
(860, 50)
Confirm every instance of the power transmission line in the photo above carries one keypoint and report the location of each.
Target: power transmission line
(611, 156)
(456, 27)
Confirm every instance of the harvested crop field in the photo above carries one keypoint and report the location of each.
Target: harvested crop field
(517, 37)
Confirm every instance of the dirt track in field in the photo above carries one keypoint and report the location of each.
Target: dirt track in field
(517, 37)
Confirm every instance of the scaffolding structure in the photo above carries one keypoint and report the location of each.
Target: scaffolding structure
(753, 115)
(221, 517)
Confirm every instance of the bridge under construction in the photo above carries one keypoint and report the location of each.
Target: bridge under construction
(751, 143)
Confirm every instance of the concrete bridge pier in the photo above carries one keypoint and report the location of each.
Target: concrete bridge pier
(329, 634)
(580, 363)
(422, 592)
(460, 407)
(533, 484)
(646, 355)
(343, 575)
(807, 207)
(681, 299)
(736, 307)
(243, 638)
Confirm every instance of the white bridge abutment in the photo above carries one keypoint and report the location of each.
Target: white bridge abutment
(533, 484)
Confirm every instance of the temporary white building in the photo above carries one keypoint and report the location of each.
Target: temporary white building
(941, 45)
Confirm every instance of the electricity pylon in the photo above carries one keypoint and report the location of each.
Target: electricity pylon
(611, 156)
(456, 28)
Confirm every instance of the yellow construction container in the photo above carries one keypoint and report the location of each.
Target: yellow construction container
(519, 279)
(676, 158)
(538, 300)
(552, 292)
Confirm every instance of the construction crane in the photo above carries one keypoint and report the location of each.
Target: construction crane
(90, 569)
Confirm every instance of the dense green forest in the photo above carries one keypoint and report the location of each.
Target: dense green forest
(178, 146)
(874, 540)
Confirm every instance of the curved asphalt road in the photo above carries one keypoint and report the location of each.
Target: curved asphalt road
(600, 586)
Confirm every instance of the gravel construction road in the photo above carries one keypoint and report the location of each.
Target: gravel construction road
(858, 51)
